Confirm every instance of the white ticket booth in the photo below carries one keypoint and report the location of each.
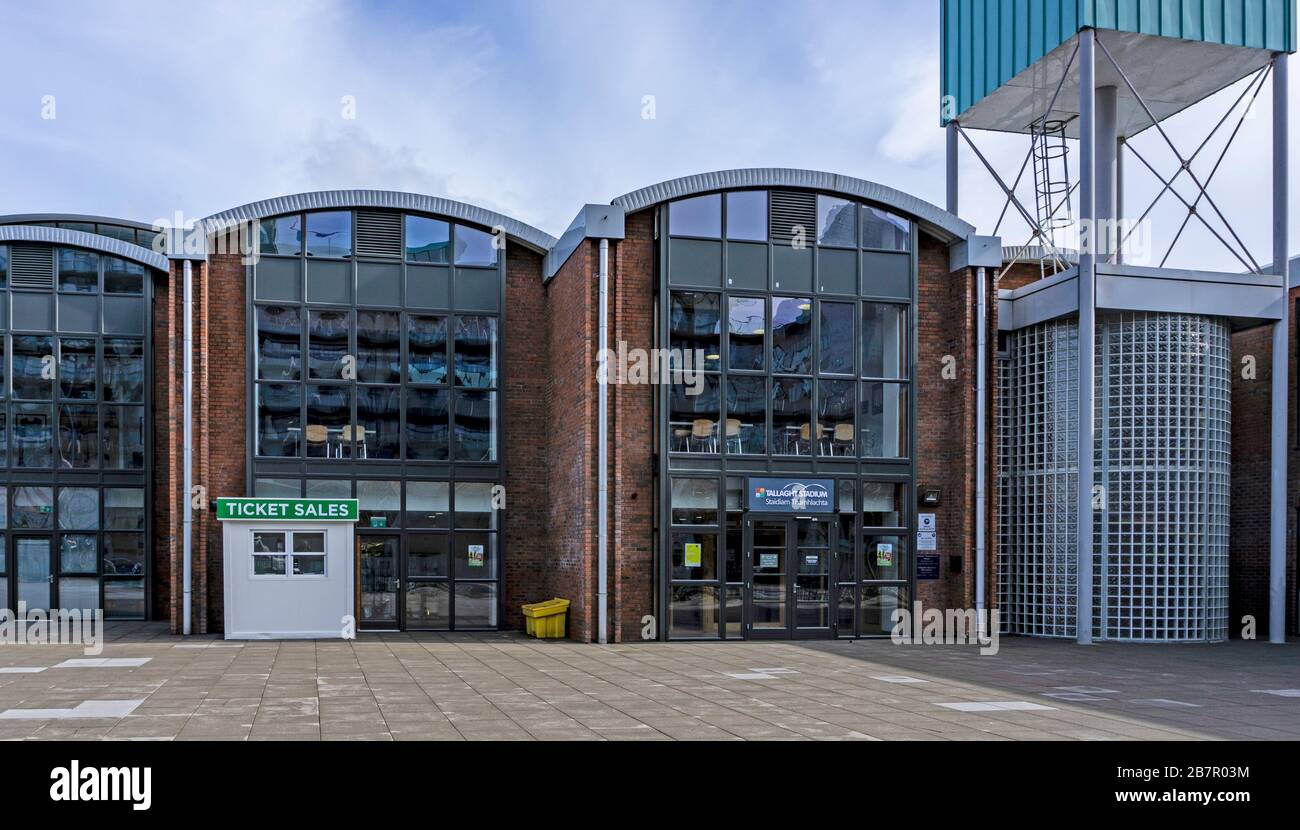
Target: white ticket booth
(289, 567)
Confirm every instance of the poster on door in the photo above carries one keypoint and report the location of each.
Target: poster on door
(884, 554)
(476, 556)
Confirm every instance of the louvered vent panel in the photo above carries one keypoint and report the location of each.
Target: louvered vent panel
(379, 234)
(791, 211)
(31, 266)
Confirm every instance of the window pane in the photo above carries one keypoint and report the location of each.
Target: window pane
(279, 342)
(79, 592)
(879, 602)
(426, 346)
(884, 557)
(428, 605)
(428, 504)
(700, 216)
(746, 322)
(282, 235)
(33, 435)
(476, 555)
(746, 427)
(122, 440)
(264, 565)
(428, 424)
(79, 435)
(476, 352)
(882, 420)
(327, 343)
(695, 501)
(124, 508)
(792, 335)
(693, 414)
(476, 605)
(835, 224)
(79, 554)
(329, 234)
(379, 416)
(33, 508)
(122, 277)
(836, 338)
(475, 247)
(31, 355)
(78, 369)
(476, 438)
(279, 424)
(427, 554)
(695, 327)
(835, 405)
(329, 413)
(123, 370)
(474, 505)
(380, 503)
(792, 431)
(308, 564)
(882, 503)
(747, 215)
(427, 240)
(695, 556)
(308, 542)
(693, 611)
(882, 229)
(379, 345)
(124, 599)
(884, 340)
(329, 488)
(4, 520)
(277, 488)
(78, 271)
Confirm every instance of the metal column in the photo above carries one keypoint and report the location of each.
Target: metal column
(1105, 147)
(952, 167)
(1278, 509)
(1088, 242)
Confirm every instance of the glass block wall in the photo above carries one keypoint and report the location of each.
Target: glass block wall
(1160, 569)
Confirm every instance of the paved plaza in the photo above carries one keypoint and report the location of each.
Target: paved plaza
(150, 685)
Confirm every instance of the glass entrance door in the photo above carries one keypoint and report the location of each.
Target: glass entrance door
(35, 572)
(787, 573)
(380, 581)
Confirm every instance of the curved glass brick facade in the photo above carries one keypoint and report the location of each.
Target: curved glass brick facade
(1162, 459)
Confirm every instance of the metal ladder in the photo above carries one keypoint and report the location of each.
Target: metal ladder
(1051, 180)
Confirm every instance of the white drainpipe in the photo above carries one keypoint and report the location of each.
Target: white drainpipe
(602, 453)
(981, 438)
(187, 409)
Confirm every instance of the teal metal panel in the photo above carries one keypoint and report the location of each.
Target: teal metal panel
(986, 43)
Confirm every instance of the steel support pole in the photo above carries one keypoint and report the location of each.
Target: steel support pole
(981, 440)
(1119, 199)
(953, 202)
(1105, 144)
(1087, 327)
(1281, 352)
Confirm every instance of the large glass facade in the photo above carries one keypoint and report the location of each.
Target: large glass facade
(376, 374)
(789, 316)
(74, 430)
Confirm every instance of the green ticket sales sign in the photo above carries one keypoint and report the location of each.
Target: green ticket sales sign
(287, 510)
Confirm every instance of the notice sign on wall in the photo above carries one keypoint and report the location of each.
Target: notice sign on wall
(927, 566)
(693, 555)
(291, 510)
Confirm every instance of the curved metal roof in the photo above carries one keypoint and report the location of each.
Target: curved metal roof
(526, 235)
(934, 219)
(81, 239)
(33, 218)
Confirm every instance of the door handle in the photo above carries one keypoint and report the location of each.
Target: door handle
(50, 578)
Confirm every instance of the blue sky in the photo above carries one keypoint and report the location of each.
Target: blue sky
(527, 108)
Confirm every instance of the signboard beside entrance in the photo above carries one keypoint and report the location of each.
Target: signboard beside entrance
(792, 495)
(288, 567)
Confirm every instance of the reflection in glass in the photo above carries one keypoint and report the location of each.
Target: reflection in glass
(476, 556)
(884, 340)
(279, 424)
(327, 343)
(428, 504)
(883, 557)
(882, 229)
(427, 240)
(79, 554)
(695, 556)
(746, 426)
(476, 352)
(792, 335)
(882, 503)
(693, 611)
(124, 508)
(124, 554)
(476, 438)
(79, 435)
(379, 347)
(33, 438)
(835, 405)
(746, 322)
(474, 507)
(427, 555)
(78, 369)
(792, 431)
(379, 503)
(835, 222)
(379, 578)
(379, 419)
(428, 605)
(33, 508)
(123, 370)
(695, 327)
(698, 216)
(427, 424)
(694, 501)
(879, 602)
(329, 234)
(329, 412)
(836, 338)
(78, 271)
(282, 235)
(476, 605)
(693, 415)
(426, 345)
(475, 247)
(123, 277)
(882, 420)
(279, 343)
(124, 599)
(31, 381)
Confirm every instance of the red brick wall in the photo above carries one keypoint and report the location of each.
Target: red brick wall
(945, 421)
(1249, 536)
